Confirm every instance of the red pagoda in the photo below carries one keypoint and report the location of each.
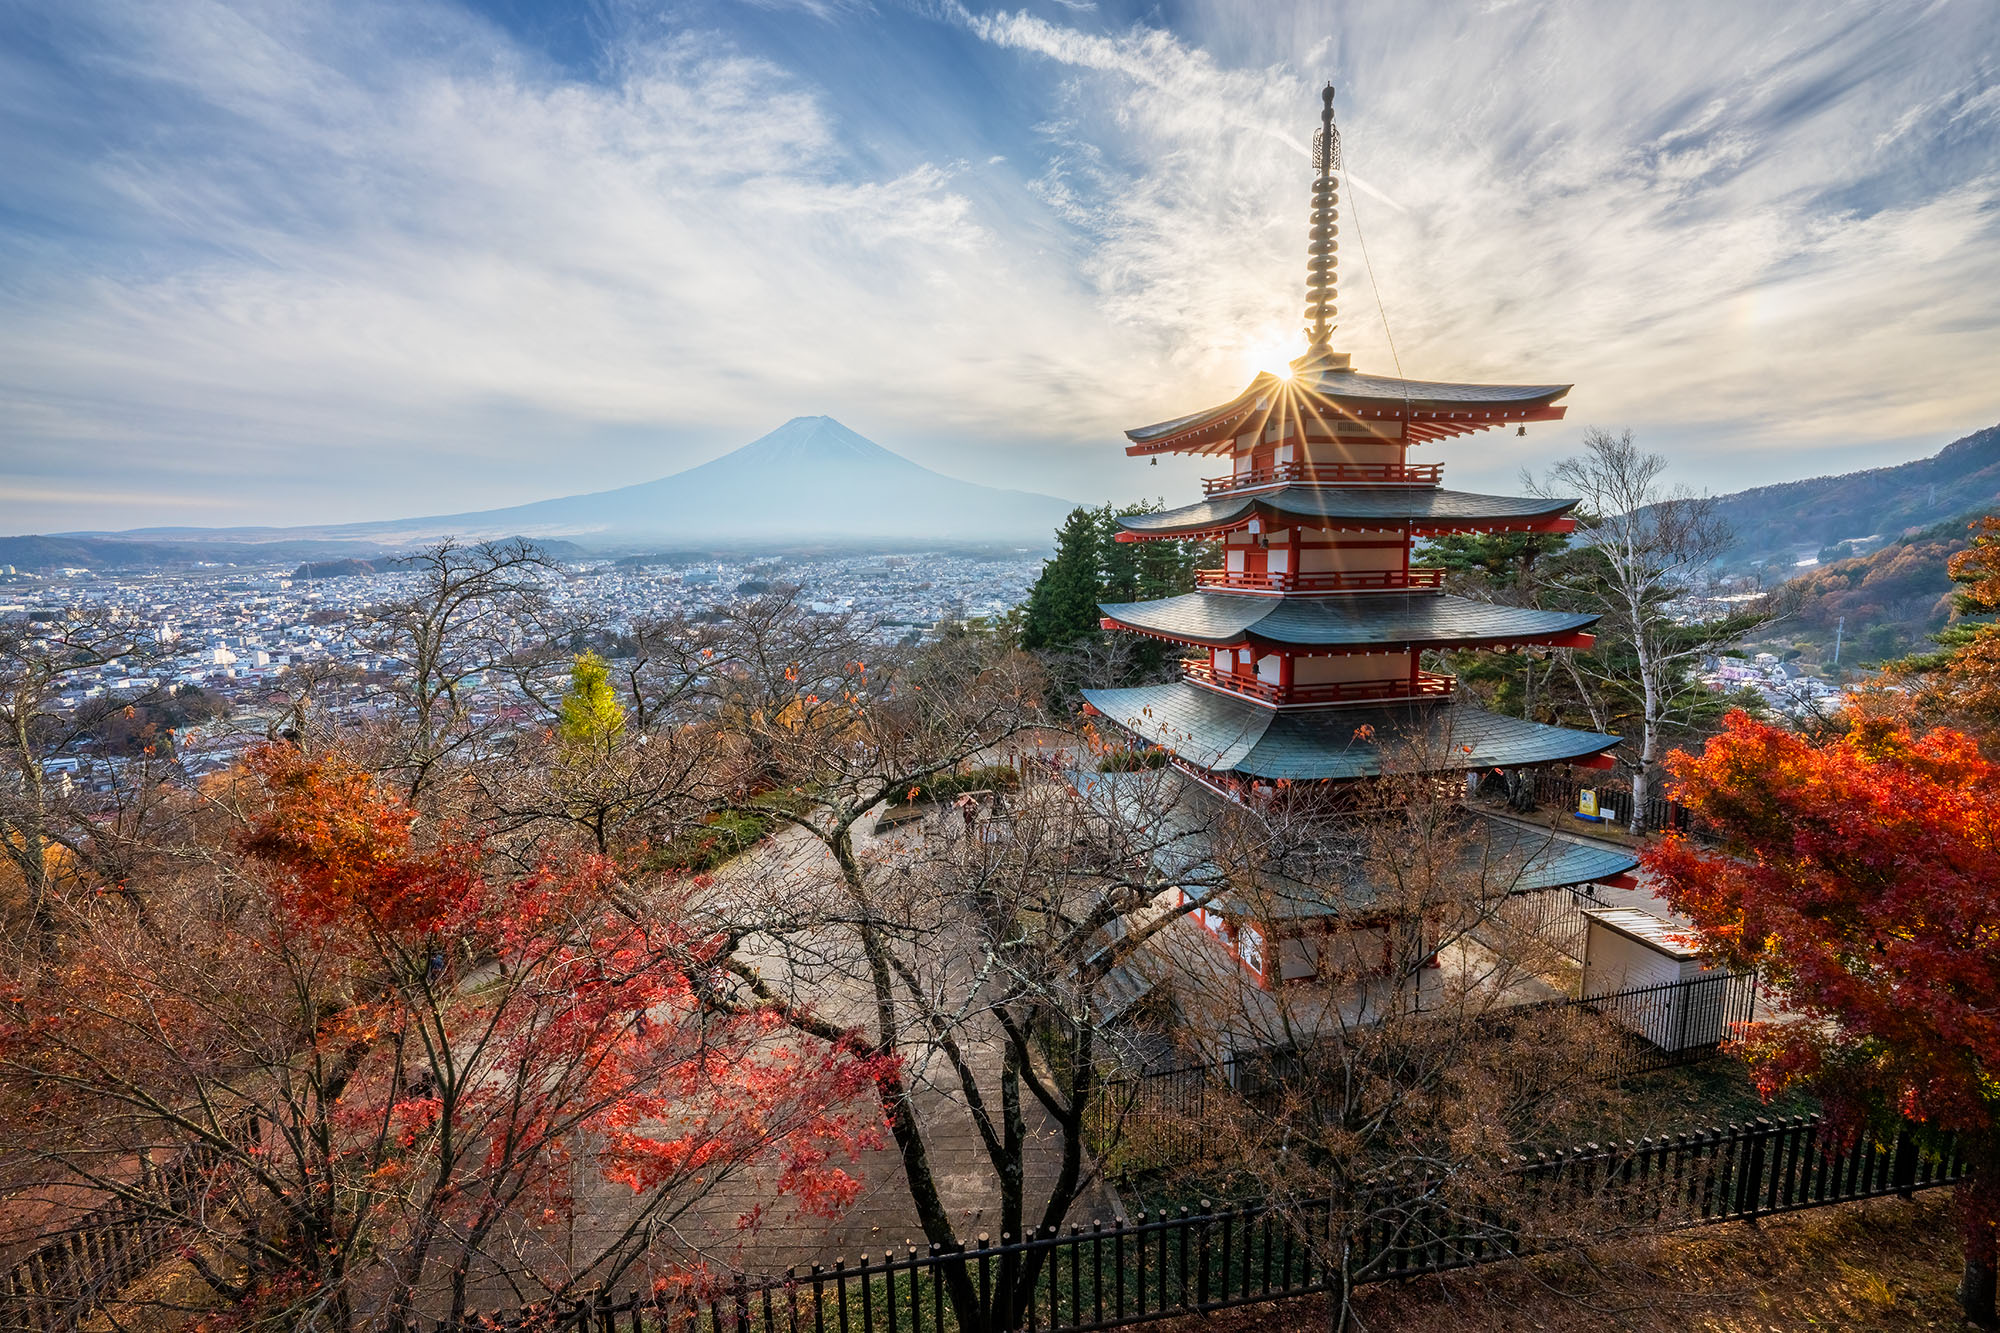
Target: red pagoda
(1310, 634)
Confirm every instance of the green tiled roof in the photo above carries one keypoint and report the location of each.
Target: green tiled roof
(1335, 876)
(1318, 506)
(1425, 619)
(1215, 732)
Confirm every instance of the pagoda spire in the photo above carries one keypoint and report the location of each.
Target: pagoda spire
(1322, 265)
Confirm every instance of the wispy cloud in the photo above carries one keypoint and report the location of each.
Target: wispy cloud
(362, 259)
(1723, 250)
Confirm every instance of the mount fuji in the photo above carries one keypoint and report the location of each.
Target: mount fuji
(811, 481)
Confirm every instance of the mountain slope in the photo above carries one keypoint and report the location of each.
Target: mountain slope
(812, 478)
(810, 481)
(1803, 516)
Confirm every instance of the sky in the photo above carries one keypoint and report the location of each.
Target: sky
(273, 262)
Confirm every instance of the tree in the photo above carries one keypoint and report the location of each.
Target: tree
(590, 712)
(1393, 1091)
(1062, 606)
(1960, 684)
(472, 610)
(41, 827)
(395, 1058)
(1645, 547)
(1861, 875)
(962, 956)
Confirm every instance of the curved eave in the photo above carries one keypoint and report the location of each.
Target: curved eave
(1226, 735)
(1423, 513)
(1507, 857)
(1428, 410)
(1426, 620)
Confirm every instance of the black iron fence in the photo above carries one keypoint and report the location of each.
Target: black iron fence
(1614, 802)
(1167, 1265)
(1144, 1122)
(59, 1284)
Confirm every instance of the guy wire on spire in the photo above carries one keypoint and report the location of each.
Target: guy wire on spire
(1323, 246)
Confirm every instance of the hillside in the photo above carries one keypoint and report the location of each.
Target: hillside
(1799, 518)
(1892, 599)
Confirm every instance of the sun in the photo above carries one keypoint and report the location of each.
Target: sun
(1269, 355)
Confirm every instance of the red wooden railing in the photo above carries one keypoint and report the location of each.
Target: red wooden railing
(1427, 685)
(1328, 474)
(1353, 580)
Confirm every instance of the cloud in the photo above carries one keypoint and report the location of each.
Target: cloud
(366, 259)
(1722, 252)
(382, 238)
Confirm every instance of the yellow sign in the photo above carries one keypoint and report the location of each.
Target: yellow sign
(1586, 803)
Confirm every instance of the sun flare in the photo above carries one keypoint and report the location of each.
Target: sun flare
(1270, 356)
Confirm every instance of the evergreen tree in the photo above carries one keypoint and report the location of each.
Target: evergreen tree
(1062, 607)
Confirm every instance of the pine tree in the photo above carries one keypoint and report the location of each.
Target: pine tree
(1062, 607)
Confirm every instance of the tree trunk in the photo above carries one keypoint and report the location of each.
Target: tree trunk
(1979, 1212)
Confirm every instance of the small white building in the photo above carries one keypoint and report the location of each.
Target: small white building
(1628, 950)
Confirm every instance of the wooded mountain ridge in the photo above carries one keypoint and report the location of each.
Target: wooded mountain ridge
(1800, 518)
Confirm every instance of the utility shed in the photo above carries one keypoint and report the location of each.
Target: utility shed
(1626, 950)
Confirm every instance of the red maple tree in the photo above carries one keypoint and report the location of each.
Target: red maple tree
(1862, 877)
(412, 1066)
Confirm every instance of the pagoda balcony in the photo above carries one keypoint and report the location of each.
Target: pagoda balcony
(1427, 685)
(1327, 474)
(1354, 580)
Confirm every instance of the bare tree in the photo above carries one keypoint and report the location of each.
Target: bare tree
(469, 614)
(42, 823)
(964, 949)
(1393, 1067)
(1646, 547)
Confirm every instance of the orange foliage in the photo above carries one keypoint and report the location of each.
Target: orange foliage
(1862, 876)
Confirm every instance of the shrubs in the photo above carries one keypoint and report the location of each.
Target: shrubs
(1131, 761)
(949, 786)
(725, 835)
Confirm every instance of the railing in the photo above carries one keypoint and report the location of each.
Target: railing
(1358, 580)
(63, 1281)
(1174, 1264)
(1613, 802)
(1151, 1121)
(1428, 685)
(1327, 474)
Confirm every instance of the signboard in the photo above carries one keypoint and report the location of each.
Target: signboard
(1586, 804)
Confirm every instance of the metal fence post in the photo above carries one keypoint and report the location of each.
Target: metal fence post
(1904, 1172)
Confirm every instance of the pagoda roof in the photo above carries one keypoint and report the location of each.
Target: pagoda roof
(1430, 409)
(1323, 506)
(1429, 620)
(1225, 734)
(1335, 877)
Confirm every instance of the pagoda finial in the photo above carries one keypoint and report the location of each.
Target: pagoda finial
(1323, 247)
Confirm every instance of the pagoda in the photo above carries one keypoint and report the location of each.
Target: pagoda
(1306, 643)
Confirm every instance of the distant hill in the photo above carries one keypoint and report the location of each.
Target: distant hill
(190, 547)
(45, 555)
(810, 483)
(1799, 518)
(333, 569)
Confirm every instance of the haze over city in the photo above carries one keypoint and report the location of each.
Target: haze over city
(318, 263)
